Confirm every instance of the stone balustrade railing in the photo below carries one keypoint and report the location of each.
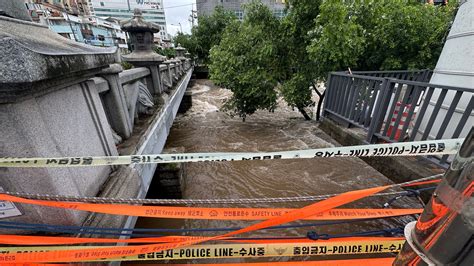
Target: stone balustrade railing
(123, 95)
(62, 98)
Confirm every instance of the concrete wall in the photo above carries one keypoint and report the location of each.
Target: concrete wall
(68, 122)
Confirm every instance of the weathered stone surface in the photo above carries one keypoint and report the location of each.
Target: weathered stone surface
(36, 60)
(122, 183)
(141, 38)
(138, 24)
(168, 179)
(133, 74)
(180, 52)
(15, 9)
(115, 102)
(69, 122)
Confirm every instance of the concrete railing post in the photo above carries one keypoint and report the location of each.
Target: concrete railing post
(175, 71)
(115, 102)
(155, 77)
(164, 78)
(188, 60)
(180, 51)
(169, 71)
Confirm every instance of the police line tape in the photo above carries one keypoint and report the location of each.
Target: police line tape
(346, 262)
(429, 147)
(211, 213)
(119, 251)
(221, 251)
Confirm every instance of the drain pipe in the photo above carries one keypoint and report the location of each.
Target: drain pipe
(443, 235)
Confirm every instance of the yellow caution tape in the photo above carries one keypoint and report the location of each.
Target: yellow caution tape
(429, 147)
(220, 251)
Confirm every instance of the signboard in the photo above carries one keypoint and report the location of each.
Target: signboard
(8, 209)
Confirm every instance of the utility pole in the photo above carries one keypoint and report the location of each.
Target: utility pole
(193, 15)
(443, 235)
(180, 27)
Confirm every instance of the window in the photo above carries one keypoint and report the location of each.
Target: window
(101, 3)
(239, 14)
(279, 13)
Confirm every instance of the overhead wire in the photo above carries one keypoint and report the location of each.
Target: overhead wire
(168, 7)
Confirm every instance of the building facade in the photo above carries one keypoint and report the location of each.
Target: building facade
(74, 24)
(123, 9)
(206, 7)
(75, 7)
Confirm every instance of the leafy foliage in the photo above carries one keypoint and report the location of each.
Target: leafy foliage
(263, 55)
(126, 65)
(338, 40)
(209, 32)
(296, 93)
(187, 41)
(168, 52)
(247, 61)
(300, 69)
(378, 35)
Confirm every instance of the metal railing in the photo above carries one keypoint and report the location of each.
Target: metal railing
(413, 75)
(395, 110)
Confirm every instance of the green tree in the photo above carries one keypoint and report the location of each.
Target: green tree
(168, 52)
(299, 68)
(209, 31)
(317, 37)
(187, 41)
(378, 35)
(247, 61)
(337, 41)
(410, 36)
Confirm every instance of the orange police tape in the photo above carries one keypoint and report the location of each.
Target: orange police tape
(365, 262)
(211, 213)
(58, 240)
(423, 183)
(90, 254)
(382, 245)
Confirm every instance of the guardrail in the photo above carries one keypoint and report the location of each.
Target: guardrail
(414, 75)
(395, 110)
(126, 94)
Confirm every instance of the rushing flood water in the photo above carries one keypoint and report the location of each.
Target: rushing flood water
(206, 129)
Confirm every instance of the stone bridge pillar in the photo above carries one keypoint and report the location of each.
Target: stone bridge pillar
(141, 37)
(49, 108)
(180, 51)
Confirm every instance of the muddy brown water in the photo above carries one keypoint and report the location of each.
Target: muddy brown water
(204, 128)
